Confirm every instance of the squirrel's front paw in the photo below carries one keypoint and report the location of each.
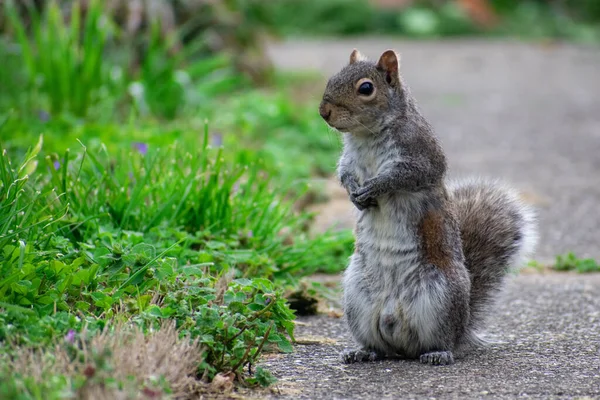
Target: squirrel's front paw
(351, 184)
(363, 199)
(363, 204)
(437, 358)
(354, 356)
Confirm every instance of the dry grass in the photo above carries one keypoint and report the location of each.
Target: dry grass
(141, 363)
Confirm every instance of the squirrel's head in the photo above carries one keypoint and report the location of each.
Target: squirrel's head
(361, 95)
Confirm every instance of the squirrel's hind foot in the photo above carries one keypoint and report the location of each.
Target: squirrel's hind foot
(354, 356)
(437, 358)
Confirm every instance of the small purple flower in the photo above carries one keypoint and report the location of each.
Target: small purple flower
(250, 234)
(56, 165)
(70, 336)
(217, 140)
(141, 147)
(44, 116)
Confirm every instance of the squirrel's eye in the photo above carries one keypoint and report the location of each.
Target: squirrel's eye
(366, 88)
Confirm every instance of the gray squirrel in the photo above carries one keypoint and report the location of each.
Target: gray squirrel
(430, 257)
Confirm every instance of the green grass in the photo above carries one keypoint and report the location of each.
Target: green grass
(83, 70)
(570, 262)
(64, 62)
(90, 239)
(130, 200)
(84, 87)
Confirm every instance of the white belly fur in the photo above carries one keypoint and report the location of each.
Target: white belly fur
(400, 287)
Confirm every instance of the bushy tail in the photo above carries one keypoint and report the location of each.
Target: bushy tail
(498, 232)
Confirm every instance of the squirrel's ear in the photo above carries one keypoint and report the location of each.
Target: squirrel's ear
(389, 62)
(356, 56)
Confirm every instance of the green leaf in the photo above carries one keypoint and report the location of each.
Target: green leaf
(285, 346)
(154, 311)
(256, 307)
(82, 306)
(263, 377)
(102, 300)
(167, 312)
(144, 301)
(231, 296)
(46, 300)
(23, 301)
(21, 287)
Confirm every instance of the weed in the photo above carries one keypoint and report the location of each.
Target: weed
(570, 262)
(536, 265)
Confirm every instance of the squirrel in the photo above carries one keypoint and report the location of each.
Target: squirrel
(430, 256)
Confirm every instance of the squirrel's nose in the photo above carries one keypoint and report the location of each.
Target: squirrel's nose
(325, 111)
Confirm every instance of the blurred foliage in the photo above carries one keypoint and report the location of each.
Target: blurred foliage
(237, 28)
(353, 17)
(540, 20)
(232, 27)
(579, 10)
(63, 61)
(83, 80)
(426, 18)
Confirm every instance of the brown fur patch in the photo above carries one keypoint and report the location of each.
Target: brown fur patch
(435, 248)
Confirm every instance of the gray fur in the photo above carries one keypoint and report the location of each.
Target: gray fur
(498, 233)
(428, 260)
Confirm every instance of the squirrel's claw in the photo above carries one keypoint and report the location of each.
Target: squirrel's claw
(437, 358)
(354, 356)
(364, 203)
(365, 196)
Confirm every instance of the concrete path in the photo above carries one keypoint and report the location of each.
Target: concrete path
(530, 115)
(549, 326)
(527, 114)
